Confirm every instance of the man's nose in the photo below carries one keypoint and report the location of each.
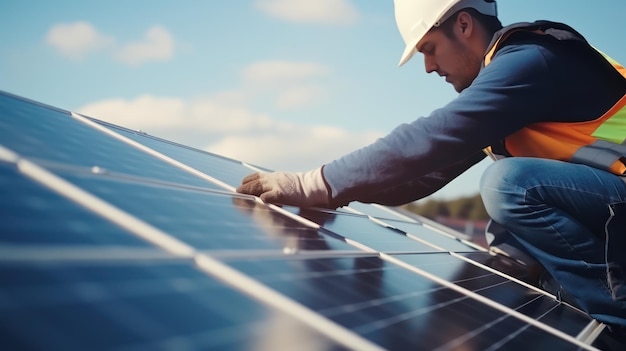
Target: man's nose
(430, 64)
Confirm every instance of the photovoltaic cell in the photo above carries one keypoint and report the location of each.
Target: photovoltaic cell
(48, 135)
(32, 215)
(394, 307)
(208, 220)
(378, 212)
(226, 170)
(364, 231)
(142, 305)
(499, 289)
(438, 239)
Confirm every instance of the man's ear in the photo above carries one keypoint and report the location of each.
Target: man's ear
(465, 24)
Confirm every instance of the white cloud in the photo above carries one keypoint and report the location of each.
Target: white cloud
(222, 112)
(231, 131)
(150, 113)
(288, 81)
(158, 45)
(143, 111)
(293, 147)
(299, 96)
(311, 11)
(282, 71)
(76, 40)
(224, 123)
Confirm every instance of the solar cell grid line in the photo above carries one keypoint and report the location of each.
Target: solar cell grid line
(379, 211)
(40, 133)
(502, 289)
(504, 269)
(416, 230)
(32, 215)
(489, 302)
(79, 253)
(102, 208)
(429, 237)
(225, 170)
(209, 221)
(362, 230)
(204, 262)
(502, 266)
(434, 225)
(434, 238)
(150, 151)
(138, 305)
(391, 306)
(399, 215)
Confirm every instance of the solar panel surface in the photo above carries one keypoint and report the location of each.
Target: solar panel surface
(115, 239)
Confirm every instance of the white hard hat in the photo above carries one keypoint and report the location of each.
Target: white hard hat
(416, 17)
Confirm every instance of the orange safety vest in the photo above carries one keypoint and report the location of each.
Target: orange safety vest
(599, 143)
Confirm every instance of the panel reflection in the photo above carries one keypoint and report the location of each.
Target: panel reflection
(228, 171)
(394, 307)
(48, 135)
(149, 305)
(364, 231)
(208, 220)
(445, 242)
(500, 289)
(32, 215)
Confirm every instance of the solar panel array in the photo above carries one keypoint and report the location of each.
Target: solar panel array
(114, 239)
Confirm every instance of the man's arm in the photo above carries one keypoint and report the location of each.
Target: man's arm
(507, 95)
(418, 188)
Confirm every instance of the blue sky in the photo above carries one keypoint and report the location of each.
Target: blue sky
(286, 84)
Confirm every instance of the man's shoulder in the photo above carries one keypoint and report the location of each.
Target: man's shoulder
(538, 29)
(543, 40)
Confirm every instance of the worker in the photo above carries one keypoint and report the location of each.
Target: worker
(538, 99)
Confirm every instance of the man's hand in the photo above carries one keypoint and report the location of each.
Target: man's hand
(296, 189)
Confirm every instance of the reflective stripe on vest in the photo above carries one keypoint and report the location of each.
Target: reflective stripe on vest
(599, 143)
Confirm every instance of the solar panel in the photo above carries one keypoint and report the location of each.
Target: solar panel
(226, 170)
(393, 306)
(115, 239)
(137, 304)
(54, 138)
(34, 216)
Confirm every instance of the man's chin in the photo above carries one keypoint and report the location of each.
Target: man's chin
(454, 85)
(459, 87)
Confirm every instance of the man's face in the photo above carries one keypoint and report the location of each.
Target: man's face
(450, 58)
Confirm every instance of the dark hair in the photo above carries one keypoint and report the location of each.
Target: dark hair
(491, 24)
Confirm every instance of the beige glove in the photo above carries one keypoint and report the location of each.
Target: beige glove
(297, 189)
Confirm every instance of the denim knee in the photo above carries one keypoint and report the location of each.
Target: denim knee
(500, 189)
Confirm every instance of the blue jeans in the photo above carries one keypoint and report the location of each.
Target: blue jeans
(558, 211)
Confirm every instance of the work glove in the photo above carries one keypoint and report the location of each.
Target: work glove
(306, 189)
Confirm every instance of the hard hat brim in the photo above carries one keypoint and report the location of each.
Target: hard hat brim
(409, 51)
(482, 6)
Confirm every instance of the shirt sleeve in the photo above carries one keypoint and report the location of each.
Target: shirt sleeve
(507, 95)
(417, 188)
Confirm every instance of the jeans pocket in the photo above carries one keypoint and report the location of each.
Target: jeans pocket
(615, 251)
